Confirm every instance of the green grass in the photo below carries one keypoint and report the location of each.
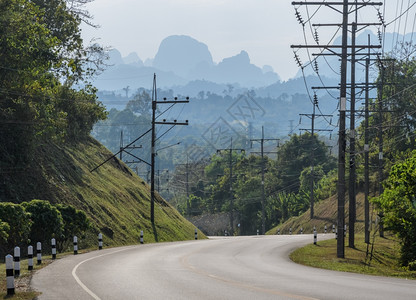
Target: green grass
(383, 263)
(115, 199)
(21, 286)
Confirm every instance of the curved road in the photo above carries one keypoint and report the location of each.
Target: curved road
(255, 267)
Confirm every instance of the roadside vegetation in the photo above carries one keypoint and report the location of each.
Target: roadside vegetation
(380, 258)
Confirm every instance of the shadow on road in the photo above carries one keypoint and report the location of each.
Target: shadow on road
(155, 233)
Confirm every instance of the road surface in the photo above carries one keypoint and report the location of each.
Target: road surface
(255, 267)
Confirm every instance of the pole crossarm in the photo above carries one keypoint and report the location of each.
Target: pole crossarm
(138, 158)
(323, 130)
(349, 24)
(265, 152)
(171, 123)
(337, 3)
(312, 115)
(171, 101)
(333, 53)
(134, 147)
(334, 46)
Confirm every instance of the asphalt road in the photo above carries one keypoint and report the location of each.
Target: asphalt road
(255, 267)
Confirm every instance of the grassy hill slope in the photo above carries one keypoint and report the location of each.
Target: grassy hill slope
(115, 199)
(325, 214)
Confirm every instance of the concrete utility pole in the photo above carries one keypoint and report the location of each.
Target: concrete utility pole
(312, 131)
(230, 162)
(155, 102)
(263, 197)
(380, 140)
(352, 177)
(343, 101)
(367, 152)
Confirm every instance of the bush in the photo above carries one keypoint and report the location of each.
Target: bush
(4, 229)
(46, 218)
(75, 222)
(398, 202)
(15, 225)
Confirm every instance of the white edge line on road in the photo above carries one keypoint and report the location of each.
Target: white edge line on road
(82, 285)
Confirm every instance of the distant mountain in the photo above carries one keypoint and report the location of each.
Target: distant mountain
(180, 54)
(114, 58)
(133, 59)
(239, 69)
(179, 60)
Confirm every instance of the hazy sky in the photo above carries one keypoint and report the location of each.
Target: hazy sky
(264, 28)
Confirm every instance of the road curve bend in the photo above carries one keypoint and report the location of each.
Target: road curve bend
(255, 267)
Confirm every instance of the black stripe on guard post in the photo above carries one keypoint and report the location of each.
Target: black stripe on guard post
(30, 258)
(9, 275)
(39, 252)
(53, 245)
(75, 245)
(100, 241)
(16, 262)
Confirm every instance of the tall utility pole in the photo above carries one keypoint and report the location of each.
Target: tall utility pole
(367, 151)
(263, 197)
(230, 163)
(313, 116)
(341, 141)
(352, 177)
(380, 140)
(342, 105)
(155, 102)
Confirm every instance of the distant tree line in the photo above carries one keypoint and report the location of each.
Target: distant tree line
(287, 183)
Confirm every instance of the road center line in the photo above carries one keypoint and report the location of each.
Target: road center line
(196, 270)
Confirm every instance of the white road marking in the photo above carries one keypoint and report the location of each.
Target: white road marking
(81, 284)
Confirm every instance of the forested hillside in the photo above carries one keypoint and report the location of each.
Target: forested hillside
(47, 110)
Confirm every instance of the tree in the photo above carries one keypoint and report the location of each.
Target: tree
(81, 110)
(42, 55)
(75, 221)
(46, 218)
(4, 229)
(14, 217)
(141, 104)
(398, 202)
(295, 155)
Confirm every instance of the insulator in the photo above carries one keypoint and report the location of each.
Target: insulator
(380, 17)
(300, 120)
(316, 36)
(380, 36)
(299, 18)
(299, 63)
(316, 67)
(315, 99)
